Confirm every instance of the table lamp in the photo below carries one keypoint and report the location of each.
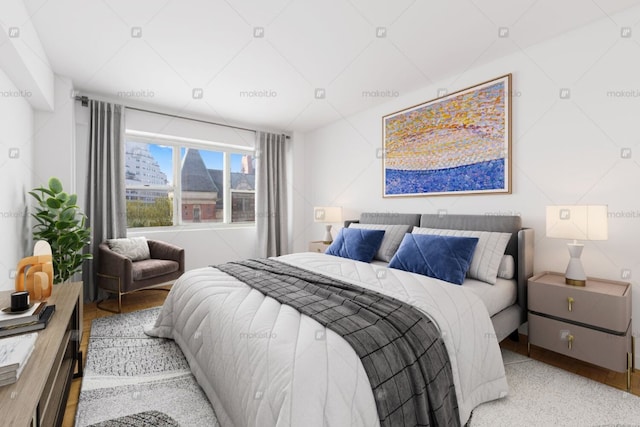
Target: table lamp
(328, 215)
(577, 222)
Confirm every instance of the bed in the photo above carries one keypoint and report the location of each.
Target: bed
(264, 363)
(520, 246)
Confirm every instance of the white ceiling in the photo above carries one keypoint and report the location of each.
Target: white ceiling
(270, 79)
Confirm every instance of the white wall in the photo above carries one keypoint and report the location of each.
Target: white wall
(16, 166)
(204, 247)
(54, 139)
(298, 201)
(565, 151)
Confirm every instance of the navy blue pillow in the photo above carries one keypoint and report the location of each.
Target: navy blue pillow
(443, 257)
(356, 243)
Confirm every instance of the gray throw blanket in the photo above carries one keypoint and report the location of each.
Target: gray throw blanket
(401, 350)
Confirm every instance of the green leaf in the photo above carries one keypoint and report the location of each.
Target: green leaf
(36, 196)
(63, 225)
(53, 203)
(68, 214)
(55, 185)
(45, 216)
(73, 199)
(63, 197)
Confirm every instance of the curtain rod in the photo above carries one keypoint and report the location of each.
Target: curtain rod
(85, 102)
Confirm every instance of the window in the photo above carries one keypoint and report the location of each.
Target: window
(171, 183)
(243, 184)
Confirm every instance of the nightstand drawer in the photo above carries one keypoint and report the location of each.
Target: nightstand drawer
(600, 348)
(599, 304)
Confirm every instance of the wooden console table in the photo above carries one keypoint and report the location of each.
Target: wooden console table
(39, 397)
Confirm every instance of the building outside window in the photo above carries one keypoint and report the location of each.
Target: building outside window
(207, 182)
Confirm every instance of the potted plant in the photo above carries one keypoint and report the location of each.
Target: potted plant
(60, 222)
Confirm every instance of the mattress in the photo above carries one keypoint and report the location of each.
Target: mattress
(495, 297)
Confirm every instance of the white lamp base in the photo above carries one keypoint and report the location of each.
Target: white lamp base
(575, 273)
(328, 238)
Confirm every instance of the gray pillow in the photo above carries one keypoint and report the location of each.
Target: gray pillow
(488, 254)
(507, 267)
(393, 235)
(134, 248)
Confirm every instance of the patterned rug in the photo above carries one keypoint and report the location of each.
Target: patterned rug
(131, 379)
(543, 395)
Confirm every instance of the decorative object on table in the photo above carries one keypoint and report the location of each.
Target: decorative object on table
(577, 222)
(14, 354)
(60, 222)
(19, 302)
(34, 274)
(328, 215)
(28, 326)
(459, 143)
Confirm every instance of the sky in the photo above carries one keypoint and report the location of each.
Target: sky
(212, 159)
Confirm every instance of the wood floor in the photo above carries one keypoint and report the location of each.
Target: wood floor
(148, 299)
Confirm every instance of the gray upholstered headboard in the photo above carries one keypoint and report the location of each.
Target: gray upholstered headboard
(520, 245)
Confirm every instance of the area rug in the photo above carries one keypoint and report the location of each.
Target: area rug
(131, 379)
(543, 395)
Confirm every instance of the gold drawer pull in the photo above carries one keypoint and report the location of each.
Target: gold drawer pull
(570, 341)
(570, 301)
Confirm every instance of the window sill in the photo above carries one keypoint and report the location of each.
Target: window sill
(190, 227)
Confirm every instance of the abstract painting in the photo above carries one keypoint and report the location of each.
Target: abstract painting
(457, 144)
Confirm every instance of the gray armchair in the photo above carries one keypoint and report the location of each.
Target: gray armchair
(120, 275)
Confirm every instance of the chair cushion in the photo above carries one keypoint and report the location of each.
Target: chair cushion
(134, 248)
(150, 268)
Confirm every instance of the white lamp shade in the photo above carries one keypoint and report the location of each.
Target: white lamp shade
(332, 214)
(578, 222)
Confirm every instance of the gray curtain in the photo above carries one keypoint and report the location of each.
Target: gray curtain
(271, 194)
(105, 201)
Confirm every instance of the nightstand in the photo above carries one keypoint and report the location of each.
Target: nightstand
(318, 246)
(590, 323)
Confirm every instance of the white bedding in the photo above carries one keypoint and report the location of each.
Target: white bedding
(495, 297)
(264, 364)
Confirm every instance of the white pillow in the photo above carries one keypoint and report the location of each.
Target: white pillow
(488, 254)
(134, 248)
(393, 235)
(507, 267)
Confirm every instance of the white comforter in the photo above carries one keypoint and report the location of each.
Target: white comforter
(264, 364)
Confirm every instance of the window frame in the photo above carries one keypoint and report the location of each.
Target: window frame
(177, 143)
